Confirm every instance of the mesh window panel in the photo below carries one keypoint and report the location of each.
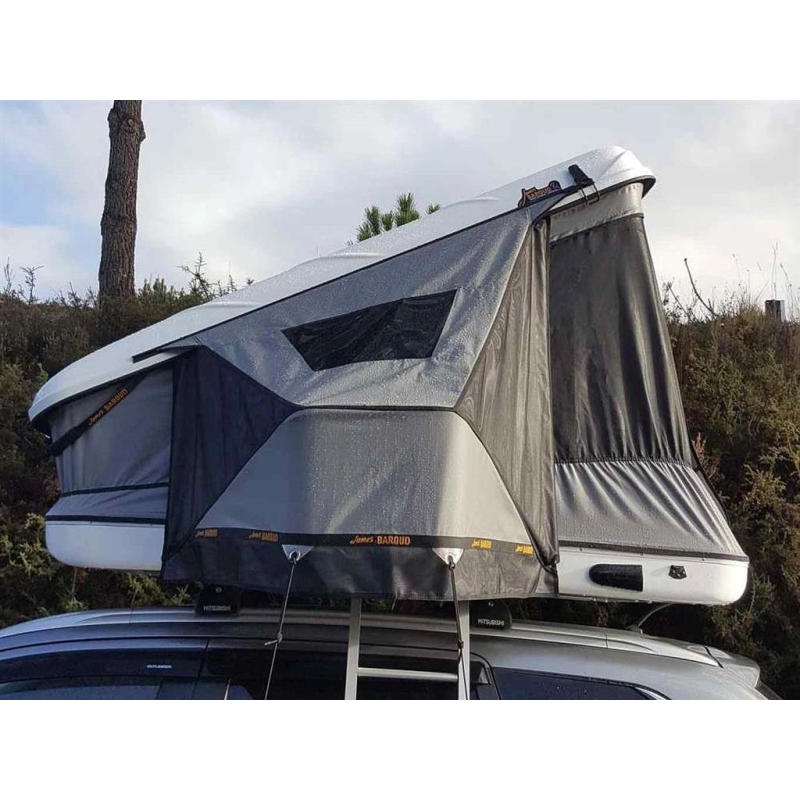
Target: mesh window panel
(614, 388)
(408, 328)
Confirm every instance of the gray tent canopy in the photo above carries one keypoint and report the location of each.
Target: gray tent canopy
(491, 386)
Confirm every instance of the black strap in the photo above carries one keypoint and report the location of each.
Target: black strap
(73, 434)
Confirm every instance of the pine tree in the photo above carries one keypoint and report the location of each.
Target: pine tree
(118, 224)
(377, 222)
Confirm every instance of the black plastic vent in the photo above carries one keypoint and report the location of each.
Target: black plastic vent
(408, 328)
(620, 576)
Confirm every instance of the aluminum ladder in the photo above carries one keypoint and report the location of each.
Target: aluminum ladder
(356, 671)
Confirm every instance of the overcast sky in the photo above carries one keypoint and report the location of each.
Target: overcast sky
(259, 187)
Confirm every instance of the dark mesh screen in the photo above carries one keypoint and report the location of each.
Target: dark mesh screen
(615, 393)
(408, 328)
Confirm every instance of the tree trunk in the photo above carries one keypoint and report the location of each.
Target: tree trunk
(118, 225)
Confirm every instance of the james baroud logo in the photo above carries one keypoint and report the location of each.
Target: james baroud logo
(533, 194)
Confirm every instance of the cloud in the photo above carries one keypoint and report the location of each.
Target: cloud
(259, 187)
(69, 142)
(731, 197)
(47, 247)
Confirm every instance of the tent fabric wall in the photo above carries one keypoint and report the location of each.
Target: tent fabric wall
(117, 471)
(221, 418)
(364, 481)
(404, 473)
(610, 167)
(127, 447)
(641, 507)
(623, 202)
(507, 397)
(413, 573)
(475, 265)
(341, 473)
(626, 476)
(138, 505)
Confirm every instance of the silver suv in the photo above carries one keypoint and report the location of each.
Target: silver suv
(177, 654)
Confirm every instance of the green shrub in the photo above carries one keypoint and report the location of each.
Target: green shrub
(740, 378)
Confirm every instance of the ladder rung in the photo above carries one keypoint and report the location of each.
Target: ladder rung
(355, 671)
(407, 674)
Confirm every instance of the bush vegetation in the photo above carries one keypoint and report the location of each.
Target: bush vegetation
(739, 372)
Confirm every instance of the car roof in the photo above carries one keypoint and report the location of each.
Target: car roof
(157, 618)
(666, 666)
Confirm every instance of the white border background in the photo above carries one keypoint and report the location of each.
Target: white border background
(361, 49)
(366, 50)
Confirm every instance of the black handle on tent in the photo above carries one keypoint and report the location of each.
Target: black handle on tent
(582, 180)
(73, 434)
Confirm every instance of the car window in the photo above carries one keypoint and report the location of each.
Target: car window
(515, 684)
(298, 675)
(125, 658)
(115, 688)
(123, 670)
(240, 673)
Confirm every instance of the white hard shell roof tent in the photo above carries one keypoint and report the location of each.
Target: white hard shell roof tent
(488, 390)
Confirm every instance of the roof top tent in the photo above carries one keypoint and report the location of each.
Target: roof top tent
(489, 389)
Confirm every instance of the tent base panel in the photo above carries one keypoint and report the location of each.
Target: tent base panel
(415, 573)
(123, 546)
(692, 579)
